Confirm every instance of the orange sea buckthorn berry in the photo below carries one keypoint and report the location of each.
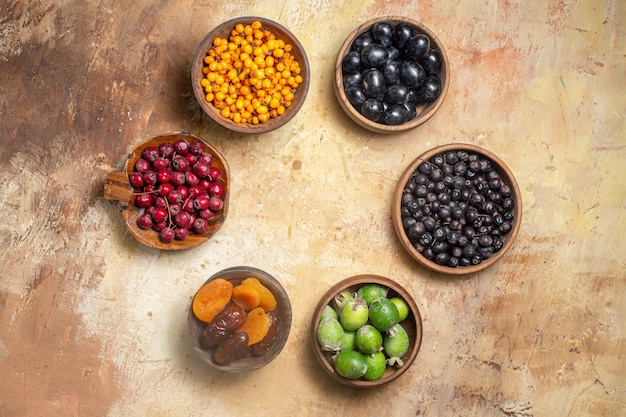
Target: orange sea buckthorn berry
(251, 76)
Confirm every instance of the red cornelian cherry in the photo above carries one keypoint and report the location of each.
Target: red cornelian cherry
(175, 187)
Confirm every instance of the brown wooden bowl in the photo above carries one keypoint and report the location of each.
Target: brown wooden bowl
(497, 165)
(223, 31)
(412, 324)
(283, 310)
(424, 112)
(117, 187)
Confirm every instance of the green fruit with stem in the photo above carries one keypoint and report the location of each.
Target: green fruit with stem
(368, 339)
(371, 292)
(396, 344)
(329, 334)
(328, 312)
(353, 314)
(383, 314)
(340, 299)
(376, 366)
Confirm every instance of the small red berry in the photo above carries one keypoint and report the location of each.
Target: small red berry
(167, 235)
(216, 204)
(166, 149)
(181, 233)
(201, 170)
(150, 154)
(160, 163)
(216, 189)
(181, 147)
(143, 200)
(150, 177)
(200, 225)
(145, 221)
(165, 189)
(191, 178)
(160, 214)
(142, 165)
(180, 163)
(214, 173)
(205, 158)
(136, 179)
(201, 202)
(196, 147)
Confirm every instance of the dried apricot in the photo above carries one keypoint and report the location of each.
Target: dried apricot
(267, 301)
(211, 299)
(246, 296)
(256, 326)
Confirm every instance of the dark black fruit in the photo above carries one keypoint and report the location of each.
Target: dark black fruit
(395, 66)
(417, 47)
(448, 211)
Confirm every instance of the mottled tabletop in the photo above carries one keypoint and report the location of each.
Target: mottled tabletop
(92, 323)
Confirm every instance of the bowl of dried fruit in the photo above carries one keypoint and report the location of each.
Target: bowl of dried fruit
(366, 331)
(391, 74)
(457, 209)
(239, 319)
(250, 75)
(173, 191)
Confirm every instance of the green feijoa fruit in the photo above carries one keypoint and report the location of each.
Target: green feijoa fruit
(350, 364)
(353, 314)
(376, 366)
(348, 341)
(327, 312)
(383, 314)
(402, 306)
(396, 344)
(370, 292)
(329, 334)
(368, 339)
(340, 299)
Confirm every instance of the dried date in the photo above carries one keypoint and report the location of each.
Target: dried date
(223, 325)
(228, 349)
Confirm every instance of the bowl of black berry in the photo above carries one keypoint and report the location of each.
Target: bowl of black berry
(457, 209)
(391, 74)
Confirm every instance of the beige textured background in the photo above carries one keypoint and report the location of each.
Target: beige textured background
(93, 324)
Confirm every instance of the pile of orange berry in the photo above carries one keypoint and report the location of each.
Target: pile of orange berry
(251, 76)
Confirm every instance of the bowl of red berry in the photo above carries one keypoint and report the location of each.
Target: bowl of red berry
(457, 209)
(250, 75)
(391, 74)
(366, 331)
(173, 191)
(239, 319)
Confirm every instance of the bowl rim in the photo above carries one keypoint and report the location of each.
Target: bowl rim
(414, 317)
(397, 218)
(237, 274)
(197, 65)
(380, 127)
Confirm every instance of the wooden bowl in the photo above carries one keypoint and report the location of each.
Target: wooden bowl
(283, 310)
(504, 173)
(117, 187)
(223, 31)
(424, 112)
(412, 324)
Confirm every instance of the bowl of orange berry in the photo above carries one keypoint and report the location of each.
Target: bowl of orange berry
(239, 319)
(250, 75)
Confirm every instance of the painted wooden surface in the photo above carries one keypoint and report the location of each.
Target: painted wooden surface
(93, 324)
